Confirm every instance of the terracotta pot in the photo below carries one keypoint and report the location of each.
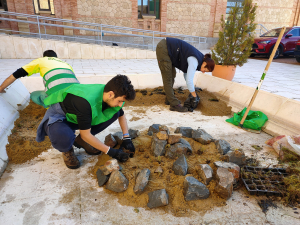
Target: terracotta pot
(224, 72)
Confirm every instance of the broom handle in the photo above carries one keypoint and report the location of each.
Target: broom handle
(263, 76)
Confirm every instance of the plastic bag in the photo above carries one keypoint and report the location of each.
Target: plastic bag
(254, 120)
(291, 143)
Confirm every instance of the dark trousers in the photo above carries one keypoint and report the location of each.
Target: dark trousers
(168, 71)
(62, 133)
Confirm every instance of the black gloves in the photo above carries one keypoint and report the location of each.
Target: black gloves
(191, 102)
(118, 154)
(128, 145)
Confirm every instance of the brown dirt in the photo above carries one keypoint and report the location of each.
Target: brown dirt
(22, 146)
(209, 104)
(167, 179)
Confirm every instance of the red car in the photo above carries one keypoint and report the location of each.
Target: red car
(265, 43)
(297, 51)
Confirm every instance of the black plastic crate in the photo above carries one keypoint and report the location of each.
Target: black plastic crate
(263, 181)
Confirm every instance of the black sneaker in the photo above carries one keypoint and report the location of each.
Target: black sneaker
(178, 108)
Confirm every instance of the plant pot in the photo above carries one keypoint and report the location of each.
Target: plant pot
(224, 72)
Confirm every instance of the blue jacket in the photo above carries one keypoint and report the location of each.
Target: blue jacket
(179, 51)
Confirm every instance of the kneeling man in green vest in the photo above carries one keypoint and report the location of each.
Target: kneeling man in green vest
(89, 108)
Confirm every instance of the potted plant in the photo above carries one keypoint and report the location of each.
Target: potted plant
(235, 40)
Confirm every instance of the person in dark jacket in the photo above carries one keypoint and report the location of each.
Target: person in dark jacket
(174, 53)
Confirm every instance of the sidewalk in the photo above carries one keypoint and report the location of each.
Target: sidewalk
(282, 79)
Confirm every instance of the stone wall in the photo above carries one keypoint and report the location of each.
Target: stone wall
(277, 13)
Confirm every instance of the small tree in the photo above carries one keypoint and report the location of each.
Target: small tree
(235, 38)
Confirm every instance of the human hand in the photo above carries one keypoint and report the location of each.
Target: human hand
(128, 145)
(118, 154)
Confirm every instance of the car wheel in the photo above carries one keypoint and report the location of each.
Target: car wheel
(277, 53)
(298, 59)
(252, 55)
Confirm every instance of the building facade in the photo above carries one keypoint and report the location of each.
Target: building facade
(189, 17)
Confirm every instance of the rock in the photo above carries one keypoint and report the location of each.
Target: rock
(162, 135)
(117, 182)
(202, 137)
(141, 181)
(158, 170)
(185, 131)
(102, 179)
(225, 186)
(110, 141)
(154, 128)
(118, 137)
(231, 167)
(222, 146)
(237, 156)
(176, 150)
(174, 138)
(158, 146)
(164, 128)
(110, 166)
(180, 166)
(205, 172)
(186, 143)
(133, 133)
(194, 189)
(158, 198)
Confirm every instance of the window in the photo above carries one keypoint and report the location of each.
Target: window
(3, 5)
(294, 32)
(232, 3)
(45, 6)
(148, 7)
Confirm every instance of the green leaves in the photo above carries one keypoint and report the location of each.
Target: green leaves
(235, 40)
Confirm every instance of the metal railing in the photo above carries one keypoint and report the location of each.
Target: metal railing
(261, 29)
(37, 26)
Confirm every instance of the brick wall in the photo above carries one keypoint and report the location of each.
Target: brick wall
(190, 17)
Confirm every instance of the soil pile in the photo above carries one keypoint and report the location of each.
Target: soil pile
(22, 145)
(209, 104)
(173, 184)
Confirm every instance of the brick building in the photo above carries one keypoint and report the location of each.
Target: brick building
(190, 17)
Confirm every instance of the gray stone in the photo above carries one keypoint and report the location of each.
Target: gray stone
(231, 167)
(117, 182)
(154, 128)
(237, 156)
(185, 131)
(194, 189)
(164, 128)
(141, 181)
(225, 186)
(110, 166)
(202, 136)
(176, 150)
(187, 144)
(180, 166)
(158, 146)
(174, 138)
(222, 146)
(133, 133)
(118, 137)
(158, 198)
(205, 172)
(102, 179)
(110, 141)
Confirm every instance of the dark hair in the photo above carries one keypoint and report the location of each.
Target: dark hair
(49, 53)
(210, 63)
(121, 86)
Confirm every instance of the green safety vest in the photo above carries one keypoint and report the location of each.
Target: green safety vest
(93, 93)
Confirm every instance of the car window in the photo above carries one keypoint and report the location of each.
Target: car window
(294, 32)
(273, 33)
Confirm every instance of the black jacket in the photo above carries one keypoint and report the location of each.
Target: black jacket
(179, 51)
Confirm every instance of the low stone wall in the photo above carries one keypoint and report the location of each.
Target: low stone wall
(14, 47)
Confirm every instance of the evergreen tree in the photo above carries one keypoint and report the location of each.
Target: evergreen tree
(236, 35)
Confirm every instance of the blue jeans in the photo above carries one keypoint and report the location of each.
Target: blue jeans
(62, 132)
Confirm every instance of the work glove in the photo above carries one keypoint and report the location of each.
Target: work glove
(128, 145)
(191, 102)
(118, 154)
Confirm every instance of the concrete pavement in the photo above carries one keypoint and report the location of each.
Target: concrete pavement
(282, 79)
